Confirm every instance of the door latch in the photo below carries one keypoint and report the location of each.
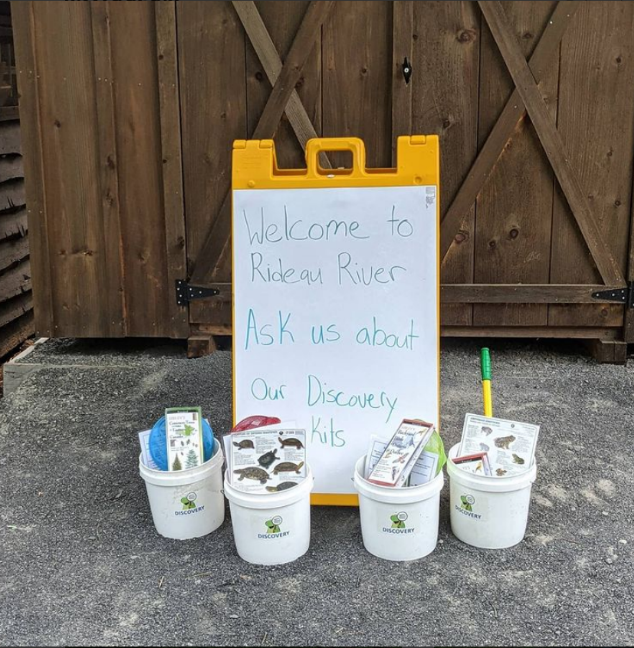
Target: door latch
(407, 70)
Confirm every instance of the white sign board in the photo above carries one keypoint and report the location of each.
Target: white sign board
(336, 315)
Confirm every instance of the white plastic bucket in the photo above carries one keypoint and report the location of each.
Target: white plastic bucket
(271, 528)
(489, 512)
(398, 523)
(186, 503)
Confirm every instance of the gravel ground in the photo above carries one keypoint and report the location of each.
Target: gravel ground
(81, 563)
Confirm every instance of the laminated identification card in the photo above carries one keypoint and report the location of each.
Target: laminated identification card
(269, 459)
(184, 437)
(510, 445)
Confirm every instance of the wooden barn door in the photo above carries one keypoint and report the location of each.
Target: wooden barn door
(533, 104)
(262, 70)
(101, 145)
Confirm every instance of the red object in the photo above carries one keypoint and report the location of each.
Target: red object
(252, 422)
(471, 457)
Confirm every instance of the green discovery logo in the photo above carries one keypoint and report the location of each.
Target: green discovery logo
(467, 502)
(398, 520)
(273, 525)
(189, 502)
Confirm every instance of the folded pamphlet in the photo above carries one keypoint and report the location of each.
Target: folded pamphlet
(184, 437)
(424, 469)
(401, 453)
(477, 463)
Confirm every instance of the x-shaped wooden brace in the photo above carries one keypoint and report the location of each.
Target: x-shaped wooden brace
(527, 97)
(283, 98)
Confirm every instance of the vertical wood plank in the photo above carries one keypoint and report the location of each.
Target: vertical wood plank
(596, 120)
(514, 209)
(171, 160)
(212, 80)
(24, 41)
(402, 47)
(445, 101)
(147, 292)
(282, 19)
(115, 322)
(70, 153)
(357, 77)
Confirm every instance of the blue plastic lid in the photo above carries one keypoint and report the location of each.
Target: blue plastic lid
(158, 443)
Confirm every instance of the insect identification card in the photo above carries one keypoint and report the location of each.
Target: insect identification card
(510, 445)
(184, 437)
(266, 460)
(401, 453)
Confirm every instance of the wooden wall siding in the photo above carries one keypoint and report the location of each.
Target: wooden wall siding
(16, 298)
(128, 179)
(8, 74)
(91, 124)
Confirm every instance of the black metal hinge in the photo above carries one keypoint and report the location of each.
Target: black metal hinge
(186, 293)
(623, 296)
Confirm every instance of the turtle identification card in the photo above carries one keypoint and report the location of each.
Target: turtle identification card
(266, 460)
(510, 445)
(401, 453)
(184, 437)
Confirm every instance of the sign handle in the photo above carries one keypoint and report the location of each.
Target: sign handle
(326, 144)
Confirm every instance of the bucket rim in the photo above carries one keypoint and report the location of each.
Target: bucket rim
(170, 478)
(392, 495)
(270, 500)
(490, 484)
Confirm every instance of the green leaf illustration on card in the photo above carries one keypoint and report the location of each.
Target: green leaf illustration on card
(189, 430)
(465, 503)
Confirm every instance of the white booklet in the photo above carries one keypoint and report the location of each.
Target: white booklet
(267, 459)
(146, 457)
(423, 471)
(401, 453)
(510, 445)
